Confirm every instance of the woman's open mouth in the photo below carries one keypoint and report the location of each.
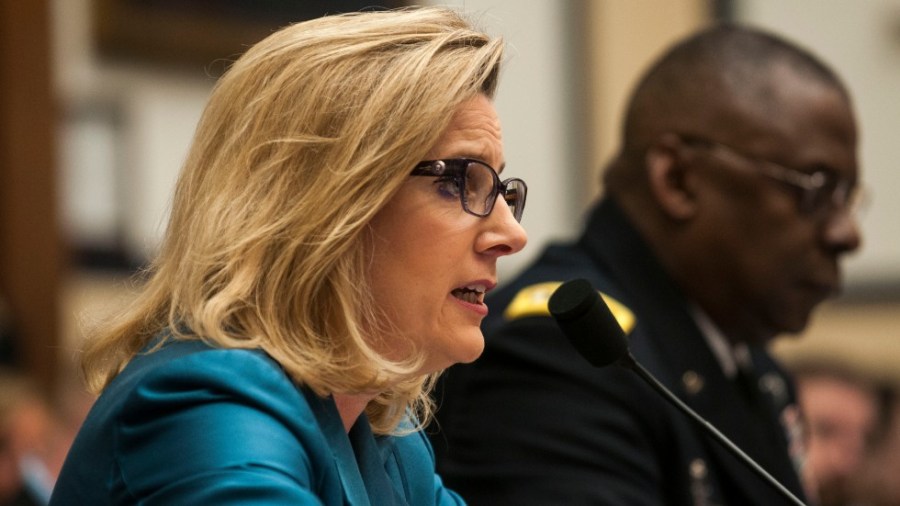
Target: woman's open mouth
(473, 294)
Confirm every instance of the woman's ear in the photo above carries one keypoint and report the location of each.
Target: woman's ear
(669, 178)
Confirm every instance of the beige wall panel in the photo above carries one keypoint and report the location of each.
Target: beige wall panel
(623, 37)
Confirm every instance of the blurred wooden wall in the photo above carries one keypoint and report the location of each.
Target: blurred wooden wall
(31, 248)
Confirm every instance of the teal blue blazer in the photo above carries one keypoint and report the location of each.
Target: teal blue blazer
(191, 424)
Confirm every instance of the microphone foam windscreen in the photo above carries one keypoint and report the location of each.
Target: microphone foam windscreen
(587, 322)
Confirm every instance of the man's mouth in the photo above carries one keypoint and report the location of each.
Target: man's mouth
(473, 294)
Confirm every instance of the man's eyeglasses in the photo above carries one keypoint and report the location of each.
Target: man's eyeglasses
(477, 185)
(820, 192)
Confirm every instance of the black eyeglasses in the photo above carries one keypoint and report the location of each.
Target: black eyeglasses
(820, 192)
(477, 185)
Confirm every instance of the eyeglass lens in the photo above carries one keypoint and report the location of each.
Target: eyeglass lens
(482, 187)
(477, 185)
(820, 193)
(514, 192)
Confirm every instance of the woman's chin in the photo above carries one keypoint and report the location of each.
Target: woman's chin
(464, 351)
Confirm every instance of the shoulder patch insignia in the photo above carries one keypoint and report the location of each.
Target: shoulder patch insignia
(532, 301)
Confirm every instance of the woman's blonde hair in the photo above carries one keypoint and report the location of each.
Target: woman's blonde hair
(305, 138)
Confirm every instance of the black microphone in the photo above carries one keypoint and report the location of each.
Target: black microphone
(592, 329)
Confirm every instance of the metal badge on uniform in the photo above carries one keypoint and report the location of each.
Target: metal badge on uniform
(693, 383)
(775, 387)
(701, 492)
(792, 422)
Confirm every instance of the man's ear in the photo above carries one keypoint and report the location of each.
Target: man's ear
(668, 177)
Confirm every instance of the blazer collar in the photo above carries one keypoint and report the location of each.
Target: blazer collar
(357, 456)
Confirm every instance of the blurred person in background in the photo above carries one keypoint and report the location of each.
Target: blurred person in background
(34, 439)
(844, 416)
(876, 482)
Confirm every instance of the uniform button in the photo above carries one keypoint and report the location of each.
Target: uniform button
(697, 469)
(693, 382)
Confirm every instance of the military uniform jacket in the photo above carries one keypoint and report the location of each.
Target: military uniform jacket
(531, 422)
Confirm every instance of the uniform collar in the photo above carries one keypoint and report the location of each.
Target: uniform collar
(729, 356)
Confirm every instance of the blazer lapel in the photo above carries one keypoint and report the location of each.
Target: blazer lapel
(332, 427)
(371, 461)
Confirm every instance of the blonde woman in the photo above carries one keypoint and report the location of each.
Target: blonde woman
(332, 236)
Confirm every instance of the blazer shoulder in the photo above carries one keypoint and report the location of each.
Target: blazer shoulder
(231, 410)
(240, 377)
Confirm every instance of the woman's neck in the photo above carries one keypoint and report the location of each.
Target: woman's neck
(350, 407)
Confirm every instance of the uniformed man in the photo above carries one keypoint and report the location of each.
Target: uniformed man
(727, 211)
